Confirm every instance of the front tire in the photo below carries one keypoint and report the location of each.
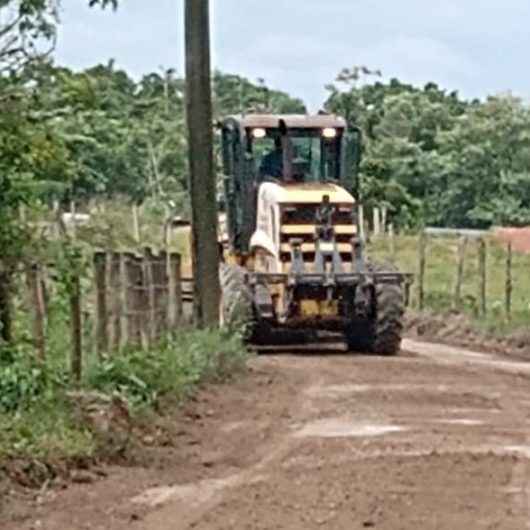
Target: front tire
(388, 322)
(381, 333)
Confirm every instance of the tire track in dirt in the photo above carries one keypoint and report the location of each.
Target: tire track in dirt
(519, 486)
(185, 505)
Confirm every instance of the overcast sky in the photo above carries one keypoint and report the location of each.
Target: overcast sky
(474, 46)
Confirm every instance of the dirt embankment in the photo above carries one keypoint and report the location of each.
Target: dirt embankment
(459, 330)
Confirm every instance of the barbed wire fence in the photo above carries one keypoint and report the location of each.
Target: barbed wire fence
(459, 269)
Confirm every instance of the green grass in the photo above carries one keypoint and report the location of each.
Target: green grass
(39, 421)
(171, 370)
(440, 277)
(46, 431)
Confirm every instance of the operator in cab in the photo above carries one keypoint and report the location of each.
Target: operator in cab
(272, 163)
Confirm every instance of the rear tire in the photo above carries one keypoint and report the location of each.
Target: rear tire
(236, 311)
(382, 333)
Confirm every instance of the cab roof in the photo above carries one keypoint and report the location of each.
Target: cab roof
(293, 121)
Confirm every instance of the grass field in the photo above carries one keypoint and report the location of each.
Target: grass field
(440, 277)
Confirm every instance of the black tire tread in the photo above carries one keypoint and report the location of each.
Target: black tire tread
(236, 299)
(382, 334)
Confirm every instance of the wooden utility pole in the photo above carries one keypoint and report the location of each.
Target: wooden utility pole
(205, 251)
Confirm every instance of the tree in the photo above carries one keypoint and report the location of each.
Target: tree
(27, 147)
(234, 94)
(401, 124)
(487, 156)
(27, 32)
(436, 159)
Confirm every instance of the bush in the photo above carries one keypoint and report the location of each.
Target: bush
(38, 419)
(47, 430)
(174, 368)
(24, 381)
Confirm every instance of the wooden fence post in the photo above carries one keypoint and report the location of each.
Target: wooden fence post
(161, 288)
(384, 219)
(377, 221)
(76, 328)
(509, 282)
(392, 242)
(74, 219)
(100, 275)
(362, 233)
(157, 288)
(150, 292)
(123, 316)
(56, 209)
(482, 277)
(135, 300)
(171, 307)
(461, 256)
(34, 284)
(167, 234)
(114, 297)
(421, 270)
(6, 306)
(136, 223)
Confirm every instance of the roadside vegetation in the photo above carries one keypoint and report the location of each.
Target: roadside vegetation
(43, 414)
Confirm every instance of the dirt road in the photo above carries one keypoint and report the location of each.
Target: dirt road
(437, 438)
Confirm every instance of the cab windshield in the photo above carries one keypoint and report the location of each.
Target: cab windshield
(315, 158)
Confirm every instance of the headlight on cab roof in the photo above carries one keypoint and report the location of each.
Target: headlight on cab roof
(329, 133)
(259, 133)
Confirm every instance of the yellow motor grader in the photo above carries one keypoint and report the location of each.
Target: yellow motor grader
(294, 272)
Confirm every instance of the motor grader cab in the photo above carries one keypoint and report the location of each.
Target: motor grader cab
(294, 269)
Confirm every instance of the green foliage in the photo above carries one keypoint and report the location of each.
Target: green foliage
(47, 430)
(173, 369)
(98, 133)
(36, 416)
(435, 159)
(23, 381)
(234, 94)
(20, 385)
(104, 3)
(27, 31)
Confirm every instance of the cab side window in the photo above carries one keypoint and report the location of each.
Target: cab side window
(228, 151)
